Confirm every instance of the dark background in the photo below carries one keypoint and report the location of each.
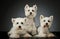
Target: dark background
(15, 8)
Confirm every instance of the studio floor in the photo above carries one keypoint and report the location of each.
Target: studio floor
(3, 35)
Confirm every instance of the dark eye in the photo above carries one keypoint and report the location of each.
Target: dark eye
(33, 10)
(28, 10)
(48, 20)
(44, 20)
(21, 22)
(17, 23)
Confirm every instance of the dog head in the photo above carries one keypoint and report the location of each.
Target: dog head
(30, 11)
(46, 21)
(18, 22)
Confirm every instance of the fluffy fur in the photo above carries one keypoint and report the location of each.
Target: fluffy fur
(30, 13)
(45, 24)
(17, 30)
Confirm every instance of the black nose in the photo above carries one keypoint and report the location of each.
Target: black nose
(46, 23)
(19, 26)
(30, 13)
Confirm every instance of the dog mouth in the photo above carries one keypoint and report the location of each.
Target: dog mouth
(46, 26)
(30, 16)
(19, 28)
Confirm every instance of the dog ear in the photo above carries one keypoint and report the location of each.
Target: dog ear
(35, 6)
(41, 16)
(13, 20)
(26, 6)
(51, 17)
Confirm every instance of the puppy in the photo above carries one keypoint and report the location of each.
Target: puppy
(45, 24)
(17, 30)
(30, 13)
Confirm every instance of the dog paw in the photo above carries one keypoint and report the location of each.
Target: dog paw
(51, 35)
(40, 35)
(36, 36)
(27, 35)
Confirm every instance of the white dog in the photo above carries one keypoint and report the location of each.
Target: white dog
(45, 24)
(30, 13)
(17, 30)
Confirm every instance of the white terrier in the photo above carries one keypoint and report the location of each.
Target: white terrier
(30, 13)
(45, 24)
(17, 30)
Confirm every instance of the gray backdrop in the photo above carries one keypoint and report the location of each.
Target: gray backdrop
(15, 8)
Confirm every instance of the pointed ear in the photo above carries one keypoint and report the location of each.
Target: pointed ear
(41, 17)
(35, 6)
(26, 6)
(13, 20)
(51, 17)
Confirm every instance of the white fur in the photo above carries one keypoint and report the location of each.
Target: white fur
(15, 31)
(30, 24)
(44, 31)
(29, 9)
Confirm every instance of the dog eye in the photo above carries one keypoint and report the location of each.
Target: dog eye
(17, 23)
(28, 10)
(33, 10)
(21, 22)
(48, 20)
(44, 20)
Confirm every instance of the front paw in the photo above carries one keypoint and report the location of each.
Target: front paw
(36, 36)
(51, 35)
(27, 35)
(40, 35)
